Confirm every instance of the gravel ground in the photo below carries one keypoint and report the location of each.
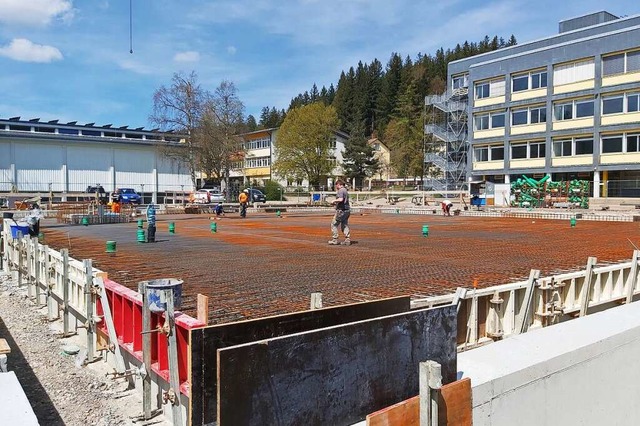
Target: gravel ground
(60, 392)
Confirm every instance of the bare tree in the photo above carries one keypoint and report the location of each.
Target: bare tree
(179, 108)
(223, 119)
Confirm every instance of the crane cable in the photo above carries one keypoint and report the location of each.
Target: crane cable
(131, 26)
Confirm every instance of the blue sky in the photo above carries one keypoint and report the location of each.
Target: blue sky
(70, 60)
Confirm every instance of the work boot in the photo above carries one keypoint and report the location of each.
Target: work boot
(346, 242)
(333, 242)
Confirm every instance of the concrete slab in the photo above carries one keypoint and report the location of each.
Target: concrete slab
(14, 405)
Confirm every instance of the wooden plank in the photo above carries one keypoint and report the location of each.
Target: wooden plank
(4, 347)
(205, 341)
(202, 304)
(335, 375)
(454, 408)
(405, 413)
(586, 286)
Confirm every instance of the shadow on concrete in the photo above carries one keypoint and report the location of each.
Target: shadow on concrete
(42, 405)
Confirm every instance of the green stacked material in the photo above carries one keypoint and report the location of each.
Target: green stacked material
(529, 193)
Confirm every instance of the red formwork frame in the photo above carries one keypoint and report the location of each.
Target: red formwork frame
(126, 310)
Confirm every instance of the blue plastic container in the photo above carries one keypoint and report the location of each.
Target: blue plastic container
(19, 228)
(157, 302)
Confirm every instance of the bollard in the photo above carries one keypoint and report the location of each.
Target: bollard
(85, 221)
(573, 222)
(425, 230)
(172, 228)
(140, 223)
(141, 238)
(214, 227)
(111, 247)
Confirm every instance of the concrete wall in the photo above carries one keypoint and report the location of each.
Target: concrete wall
(581, 372)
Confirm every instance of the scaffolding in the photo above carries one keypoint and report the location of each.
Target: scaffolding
(446, 140)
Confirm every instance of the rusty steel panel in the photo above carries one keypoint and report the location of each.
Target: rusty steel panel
(335, 375)
(206, 341)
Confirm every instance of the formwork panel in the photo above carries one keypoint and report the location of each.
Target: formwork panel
(335, 375)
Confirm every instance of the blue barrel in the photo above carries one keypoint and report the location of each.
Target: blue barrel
(156, 289)
(19, 227)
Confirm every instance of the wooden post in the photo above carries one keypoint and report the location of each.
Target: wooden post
(586, 287)
(38, 266)
(28, 254)
(172, 348)
(52, 310)
(65, 291)
(203, 308)
(316, 301)
(430, 384)
(523, 323)
(146, 351)
(19, 246)
(633, 275)
(89, 303)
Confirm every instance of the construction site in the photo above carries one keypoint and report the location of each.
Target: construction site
(446, 286)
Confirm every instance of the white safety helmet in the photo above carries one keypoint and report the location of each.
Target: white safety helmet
(246, 191)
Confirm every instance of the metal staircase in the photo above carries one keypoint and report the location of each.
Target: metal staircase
(446, 142)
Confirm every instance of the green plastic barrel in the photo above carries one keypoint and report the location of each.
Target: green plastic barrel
(172, 228)
(573, 222)
(111, 246)
(214, 227)
(140, 223)
(425, 230)
(85, 221)
(141, 238)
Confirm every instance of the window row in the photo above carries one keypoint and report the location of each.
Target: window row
(563, 110)
(566, 73)
(257, 162)
(565, 147)
(264, 142)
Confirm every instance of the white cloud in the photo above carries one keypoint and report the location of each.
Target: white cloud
(189, 56)
(35, 12)
(23, 50)
(231, 50)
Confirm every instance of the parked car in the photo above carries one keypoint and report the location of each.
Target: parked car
(101, 195)
(256, 196)
(206, 196)
(126, 196)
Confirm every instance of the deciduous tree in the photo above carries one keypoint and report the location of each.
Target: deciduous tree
(303, 145)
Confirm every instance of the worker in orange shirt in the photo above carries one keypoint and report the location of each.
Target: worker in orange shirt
(243, 198)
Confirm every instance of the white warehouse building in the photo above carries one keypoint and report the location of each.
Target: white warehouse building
(48, 156)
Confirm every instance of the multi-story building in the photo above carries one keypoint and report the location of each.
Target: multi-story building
(259, 155)
(567, 106)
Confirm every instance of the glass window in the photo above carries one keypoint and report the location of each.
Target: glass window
(584, 146)
(539, 80)
(482, 90)
(481, 122)
(613, 64)
(611, 144)
(584, 108)
(519, 117)
(633, 143)
(460, 81)
(536, 150)
(613, 105)
(520, 83)
(497, 120)
(538, 115)
(633, 61)
(563, 111)
(497, 153)
(519, 151)
(91, 133)
(562, 148)
(64, 131)
(481, 153)
(632, 102)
